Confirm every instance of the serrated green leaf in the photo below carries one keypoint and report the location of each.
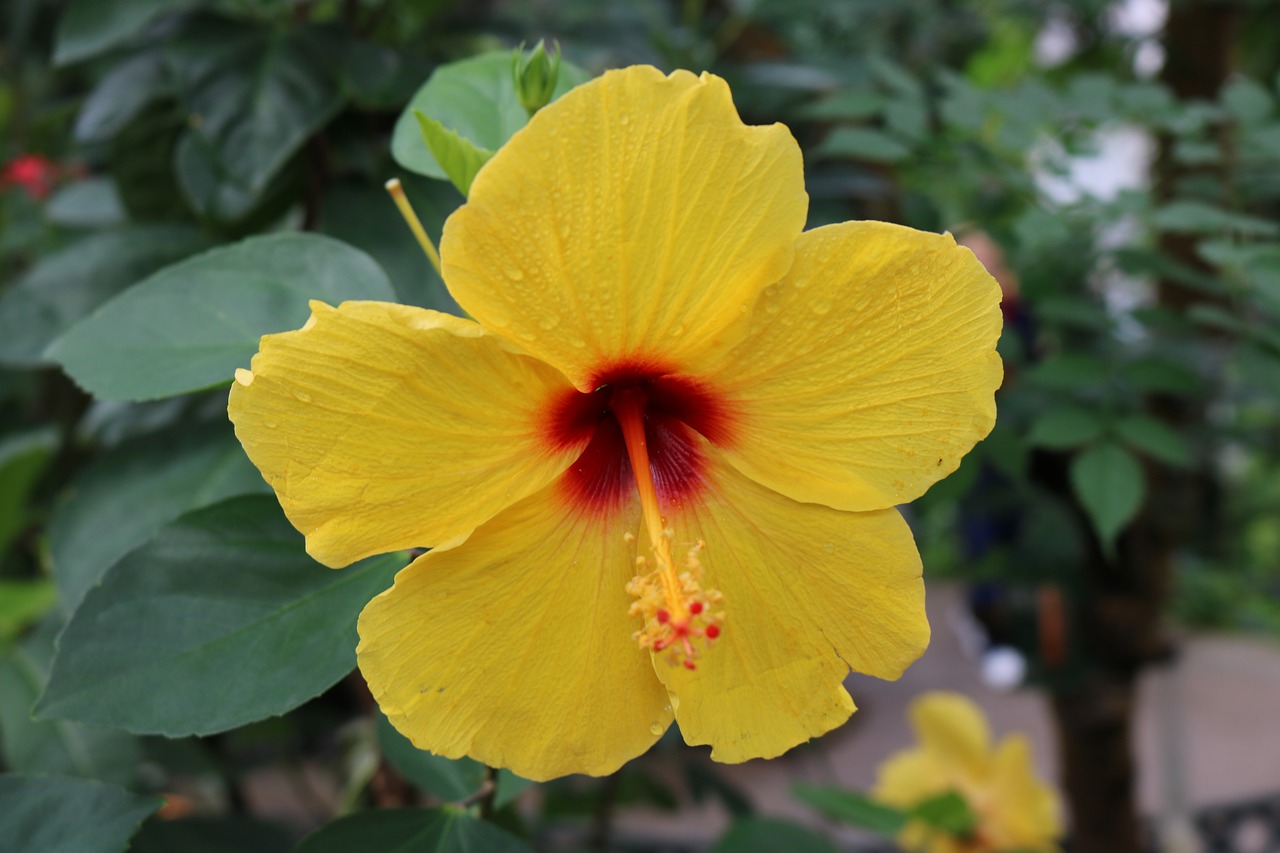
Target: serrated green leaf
(1154, 438)
(853, 808)
(124, 497)
(769, 835)
(476, 99)
(459, 159)
(54, 747)
(69, 284)
(223, 601)
(1110, 486)
(90, 27)
(862, 143)
(443, 830)
(49, 814)
(1064, 427)
(189, 326)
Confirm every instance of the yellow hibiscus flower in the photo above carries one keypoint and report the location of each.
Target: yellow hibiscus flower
(1013, 810)
(658, 470)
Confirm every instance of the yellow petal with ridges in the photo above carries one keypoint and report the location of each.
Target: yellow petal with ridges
(383, 427)
(869, 371)
(808, 593)
(636, 218)
(515, 647)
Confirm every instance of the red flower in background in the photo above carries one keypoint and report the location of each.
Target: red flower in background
(35, 173)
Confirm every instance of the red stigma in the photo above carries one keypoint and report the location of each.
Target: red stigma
(688, 664)
(695, 608)
(662, 616)
(712, 632)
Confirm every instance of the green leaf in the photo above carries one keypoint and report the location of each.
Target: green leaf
(361, 214)
(474, 97)
(48, 814)
(67, 285)
(23, 458)
(852, 808)
(1110, 485)
(22, 604)
(253, 96)
(1154, 438)
(91, 203)
(221, 620)
(121, 96)
(90, 27)
(447, 778)
(128, 494)
(862, 143)
(459, 159)
(191, 325)
(948, 812)
(1195, 217)
(225, 834)
(769, 835)
(444, 830)
(54, 747)
(1161, 375)
(1063, 427)
(1070, 371)
(1248, 101)
(851, 104)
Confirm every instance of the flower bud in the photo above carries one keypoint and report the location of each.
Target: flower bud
(535, 76)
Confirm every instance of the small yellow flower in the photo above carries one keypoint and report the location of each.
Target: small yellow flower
(1014, 810)
(658, 470)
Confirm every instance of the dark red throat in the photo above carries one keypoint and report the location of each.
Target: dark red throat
(677, 410)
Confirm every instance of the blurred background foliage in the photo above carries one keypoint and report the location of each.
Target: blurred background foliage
(1116, 165)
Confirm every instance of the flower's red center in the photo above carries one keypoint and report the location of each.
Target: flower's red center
(675, 410)
(641, 428)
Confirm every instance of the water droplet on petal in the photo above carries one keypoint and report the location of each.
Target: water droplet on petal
(273, 425)
(514, 273)
(303, 396)
(547, 322)
(656, 728)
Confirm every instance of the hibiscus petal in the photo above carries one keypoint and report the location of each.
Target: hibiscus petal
(515, 647)
(1028, 815)
(953, 729)
(808, 593)
(633, 220)
(869, 371)
(383, 427)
